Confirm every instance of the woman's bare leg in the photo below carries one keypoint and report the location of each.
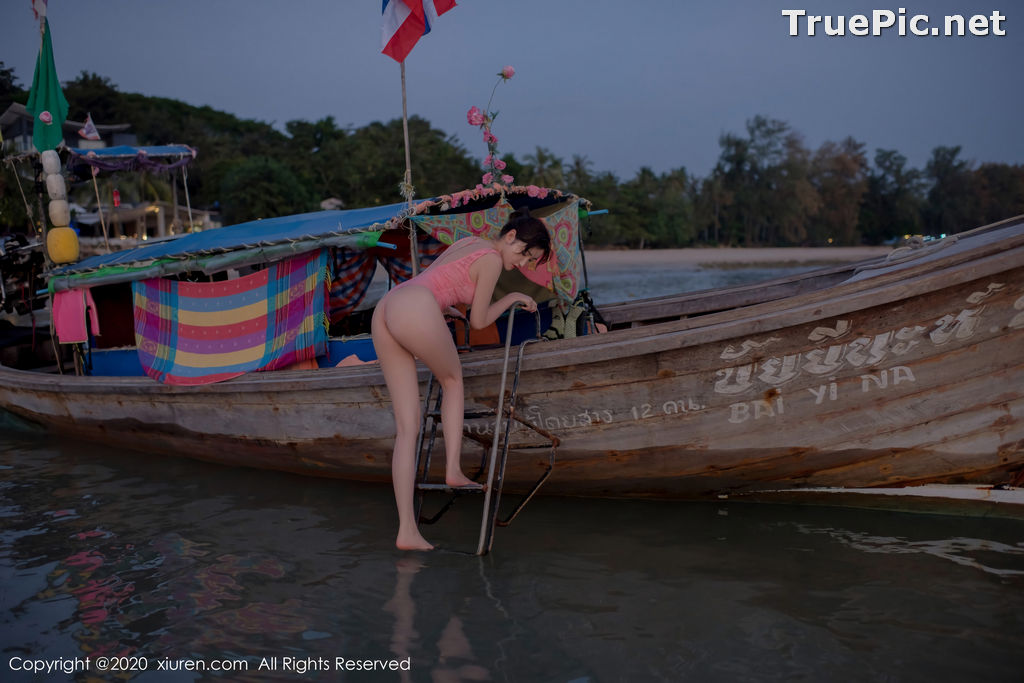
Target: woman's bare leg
(399, 368)
(418, 326)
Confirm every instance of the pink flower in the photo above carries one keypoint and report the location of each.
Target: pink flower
(507, 73)
(475, 116)
(489, 138)
(532, 190)
(488, 177)
(507, 179)
(488, 160)
(499, 164)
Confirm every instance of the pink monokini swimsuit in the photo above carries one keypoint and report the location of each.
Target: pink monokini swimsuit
(449, 282)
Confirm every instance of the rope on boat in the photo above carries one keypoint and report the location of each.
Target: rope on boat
(917, 247)
(188, 202)
(28, 210)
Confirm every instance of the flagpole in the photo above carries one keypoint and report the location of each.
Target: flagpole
(99, 208)
(404, 23)
(407, 190)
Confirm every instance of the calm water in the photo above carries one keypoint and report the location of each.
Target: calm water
(181, 563)
(610, 285)
(106, 554)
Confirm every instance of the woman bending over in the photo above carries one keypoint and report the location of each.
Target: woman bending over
(409, 324)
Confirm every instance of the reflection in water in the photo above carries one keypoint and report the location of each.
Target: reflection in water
(968, 552)
(115, 553)
(454, 653)
(403, 609)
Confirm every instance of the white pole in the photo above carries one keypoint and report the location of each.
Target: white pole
(99, 209)
(407, 190)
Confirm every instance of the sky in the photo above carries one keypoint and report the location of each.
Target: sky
(647, 83)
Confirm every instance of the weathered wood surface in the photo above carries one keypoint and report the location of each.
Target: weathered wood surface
(908, 373)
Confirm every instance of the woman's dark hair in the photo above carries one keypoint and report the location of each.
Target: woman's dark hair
(530, 230)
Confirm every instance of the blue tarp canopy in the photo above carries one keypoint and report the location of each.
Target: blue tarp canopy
(233, 245)
(261, 233)
(129, 158)
(272, 239)
(125, 151)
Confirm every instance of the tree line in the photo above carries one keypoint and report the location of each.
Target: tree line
(768, 188)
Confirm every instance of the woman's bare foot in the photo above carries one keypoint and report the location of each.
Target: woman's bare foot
(460, 480)
(411, 540)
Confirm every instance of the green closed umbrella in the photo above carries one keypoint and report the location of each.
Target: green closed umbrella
(46, 101)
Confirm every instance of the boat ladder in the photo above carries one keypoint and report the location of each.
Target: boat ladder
(495, 465)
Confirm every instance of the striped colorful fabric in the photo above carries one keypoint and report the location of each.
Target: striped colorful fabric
(353, 272)
(192, 333)
(400, 269)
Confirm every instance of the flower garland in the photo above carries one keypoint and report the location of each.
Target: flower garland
(493, 165)
(456, 199)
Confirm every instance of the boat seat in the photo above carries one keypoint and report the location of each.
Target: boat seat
(360, 345)
(122, 361)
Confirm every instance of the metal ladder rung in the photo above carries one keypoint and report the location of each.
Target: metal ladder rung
(447, 488)
(467, 415)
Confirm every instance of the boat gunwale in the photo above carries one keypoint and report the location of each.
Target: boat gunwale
(792, 311)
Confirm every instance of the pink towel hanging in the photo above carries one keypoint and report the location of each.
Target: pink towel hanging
(69, 308)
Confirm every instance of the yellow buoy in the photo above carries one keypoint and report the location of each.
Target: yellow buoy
(62, 245)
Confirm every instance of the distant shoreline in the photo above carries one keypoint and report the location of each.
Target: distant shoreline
(725, 257)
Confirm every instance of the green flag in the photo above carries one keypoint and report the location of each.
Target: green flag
(46, 101)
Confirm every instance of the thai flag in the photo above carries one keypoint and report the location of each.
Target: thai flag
(405, 21)
(88, 131)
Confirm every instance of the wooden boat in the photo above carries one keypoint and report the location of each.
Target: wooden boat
(889, 373)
